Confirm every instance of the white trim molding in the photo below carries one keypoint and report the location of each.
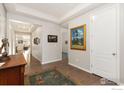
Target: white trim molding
(51, 61)
(121, 84)
(26, 11)
(86, 70)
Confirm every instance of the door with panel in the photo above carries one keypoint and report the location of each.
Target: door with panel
(104, 43)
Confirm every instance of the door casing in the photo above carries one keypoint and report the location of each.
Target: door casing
(116, 6)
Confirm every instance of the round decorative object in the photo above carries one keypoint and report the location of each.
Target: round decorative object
(36, 40)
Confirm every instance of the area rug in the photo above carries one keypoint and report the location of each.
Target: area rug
(52, 77)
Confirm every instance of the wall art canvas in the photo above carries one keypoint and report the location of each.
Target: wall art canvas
(36, 40)
(78, 38)
(52, 38)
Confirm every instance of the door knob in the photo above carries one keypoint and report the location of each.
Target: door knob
(113, 54)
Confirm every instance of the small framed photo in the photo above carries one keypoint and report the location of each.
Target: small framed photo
(52, 38)
(36, 40)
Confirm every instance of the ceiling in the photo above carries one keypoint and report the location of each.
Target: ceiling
(21, 27)
(54, 12)
(56, 9)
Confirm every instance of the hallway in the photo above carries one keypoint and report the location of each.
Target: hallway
(79, 47)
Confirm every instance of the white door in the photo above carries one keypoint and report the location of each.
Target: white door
(104, 38)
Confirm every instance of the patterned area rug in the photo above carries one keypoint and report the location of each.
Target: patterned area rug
(52, 77)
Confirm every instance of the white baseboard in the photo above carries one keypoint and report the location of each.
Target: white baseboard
(80, 68)
(37, 58)
(121, 84)
(51, 61)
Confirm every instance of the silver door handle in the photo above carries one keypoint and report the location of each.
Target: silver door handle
(113, 54)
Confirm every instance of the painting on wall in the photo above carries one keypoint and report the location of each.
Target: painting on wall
(36, 40)
(52, 38)
(78, 38)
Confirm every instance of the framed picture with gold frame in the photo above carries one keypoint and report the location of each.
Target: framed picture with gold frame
(78, 38)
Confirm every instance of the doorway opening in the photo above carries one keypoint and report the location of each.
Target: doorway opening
(23, 45)
(64, 44)
(20, 38)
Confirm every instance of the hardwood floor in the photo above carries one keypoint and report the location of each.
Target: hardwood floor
(78, 76)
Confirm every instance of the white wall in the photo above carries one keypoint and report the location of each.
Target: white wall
(50, 51)
(37, 49)
(79, 58)
(121, 43)
(2, 22)
(64, 32)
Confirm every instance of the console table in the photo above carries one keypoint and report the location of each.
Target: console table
(12, 72)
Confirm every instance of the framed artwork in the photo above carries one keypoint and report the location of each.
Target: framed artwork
(52, 38)
(66, 42)
(78, 38)
(36, 40)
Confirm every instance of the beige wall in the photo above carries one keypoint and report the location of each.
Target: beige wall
(37, 49)
(79, 58)
(64, 32)
(51, 51)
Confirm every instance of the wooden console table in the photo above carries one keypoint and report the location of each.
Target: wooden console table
(12, 72)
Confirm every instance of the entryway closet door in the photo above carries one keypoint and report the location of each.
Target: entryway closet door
(104, 42)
